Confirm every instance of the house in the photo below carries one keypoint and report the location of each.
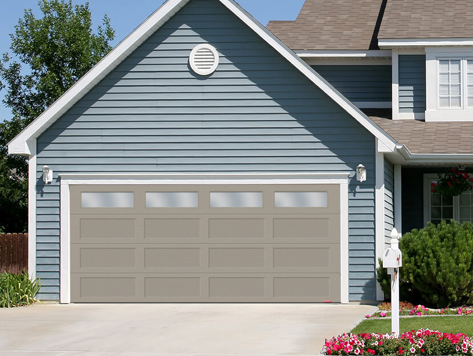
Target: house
(210, 159)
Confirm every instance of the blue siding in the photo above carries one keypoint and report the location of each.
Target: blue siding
(360, 83)
(388, 199)
(257, 113)
(412, 79)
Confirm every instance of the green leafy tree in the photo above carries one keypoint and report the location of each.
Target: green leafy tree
(49, 54)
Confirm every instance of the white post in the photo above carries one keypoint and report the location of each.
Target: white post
(394, 272)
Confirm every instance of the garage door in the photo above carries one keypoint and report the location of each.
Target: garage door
(205, 243)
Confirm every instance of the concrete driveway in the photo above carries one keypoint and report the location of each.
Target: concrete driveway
(174, 329)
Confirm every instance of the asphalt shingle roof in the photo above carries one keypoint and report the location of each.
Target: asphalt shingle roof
(415, 19)
(330, 25)
(430, 137)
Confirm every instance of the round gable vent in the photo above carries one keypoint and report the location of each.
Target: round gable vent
(204, 59)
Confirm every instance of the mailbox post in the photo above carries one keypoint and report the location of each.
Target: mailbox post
(392, 260)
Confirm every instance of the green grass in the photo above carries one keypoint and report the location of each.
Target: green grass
(445, 324)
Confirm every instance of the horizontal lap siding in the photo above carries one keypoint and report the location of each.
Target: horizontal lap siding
(360, 83)
(256, 113)
(388, 200)
(412, 79)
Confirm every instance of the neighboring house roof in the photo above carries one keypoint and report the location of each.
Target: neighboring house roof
(415, 19)
(20, 144)
(422, 137)
(330, 25)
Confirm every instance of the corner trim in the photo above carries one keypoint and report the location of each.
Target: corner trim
(379, 214)
(398, 197)
(32, 211)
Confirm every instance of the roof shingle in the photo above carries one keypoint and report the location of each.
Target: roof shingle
(430, 137)
(330, 25)
(416, 19)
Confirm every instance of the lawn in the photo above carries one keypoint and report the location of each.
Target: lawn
(445, 324)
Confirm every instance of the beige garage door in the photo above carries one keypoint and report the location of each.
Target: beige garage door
(205, 243)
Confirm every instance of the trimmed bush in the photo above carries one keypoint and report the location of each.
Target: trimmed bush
(17, 290)
(437, 265)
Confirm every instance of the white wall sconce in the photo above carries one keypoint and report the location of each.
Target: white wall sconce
(47, 175)
(360, 173)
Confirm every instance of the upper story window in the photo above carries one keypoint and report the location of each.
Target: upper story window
(455, 83)
(449, 84)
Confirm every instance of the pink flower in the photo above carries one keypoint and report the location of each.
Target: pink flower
(383, 314)
(368, 316)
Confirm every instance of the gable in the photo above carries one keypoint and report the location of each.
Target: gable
(20, 144)
(255, 100)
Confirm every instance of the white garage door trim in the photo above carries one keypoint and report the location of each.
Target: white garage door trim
(123, 179)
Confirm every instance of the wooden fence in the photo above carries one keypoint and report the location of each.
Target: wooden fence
(13, 253)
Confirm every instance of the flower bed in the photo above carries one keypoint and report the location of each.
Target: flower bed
(420, 310)
(420, 342)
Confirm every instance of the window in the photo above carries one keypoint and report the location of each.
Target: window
(172, 200)
(440, 207)
(449, 84)
(107, 200)
(236, 199)
(455, 83)
(300, 199)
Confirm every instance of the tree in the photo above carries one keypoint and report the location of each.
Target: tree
(49, 55)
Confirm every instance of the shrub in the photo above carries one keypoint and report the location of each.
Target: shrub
(17, 290)
(438, 263)
(437, 266)
(421, 342)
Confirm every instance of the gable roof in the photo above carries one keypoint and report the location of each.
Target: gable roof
(414, 19)
(330, 25)
(19, 145)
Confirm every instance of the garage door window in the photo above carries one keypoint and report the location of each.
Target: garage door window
(300, 199)
(236, 199)
(107, 200)
(172, 200)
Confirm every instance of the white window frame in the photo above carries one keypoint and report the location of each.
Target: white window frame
(428, 178)
(462, 84)
(434, 112)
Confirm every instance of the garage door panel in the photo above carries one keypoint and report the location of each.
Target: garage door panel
(172, 228)
(225, 258)
(168, 250)
(171, 257)
(172, 287)
(236, 228)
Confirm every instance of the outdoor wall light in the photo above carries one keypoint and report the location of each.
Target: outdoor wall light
(47, 175)
(360, 173)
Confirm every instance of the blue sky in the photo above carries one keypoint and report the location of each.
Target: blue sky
(126, 15)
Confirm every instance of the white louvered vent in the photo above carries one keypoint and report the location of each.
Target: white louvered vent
(204, 59)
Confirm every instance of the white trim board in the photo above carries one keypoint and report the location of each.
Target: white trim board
(379, 214)
(343, 54)
(424, 42)
(65, 282)
(32, 212)
(146, 29)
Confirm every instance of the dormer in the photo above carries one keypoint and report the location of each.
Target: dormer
(432, 52)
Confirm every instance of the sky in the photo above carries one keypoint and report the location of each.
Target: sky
(126, 15)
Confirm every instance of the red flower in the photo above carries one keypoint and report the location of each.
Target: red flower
(466, 175)
(422, 350)
(401, 351)
(449, 184)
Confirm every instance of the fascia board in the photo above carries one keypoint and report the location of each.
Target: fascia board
(433, 158)
(303, 67)
(426, 42)
(95, 75)
(343, 54)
